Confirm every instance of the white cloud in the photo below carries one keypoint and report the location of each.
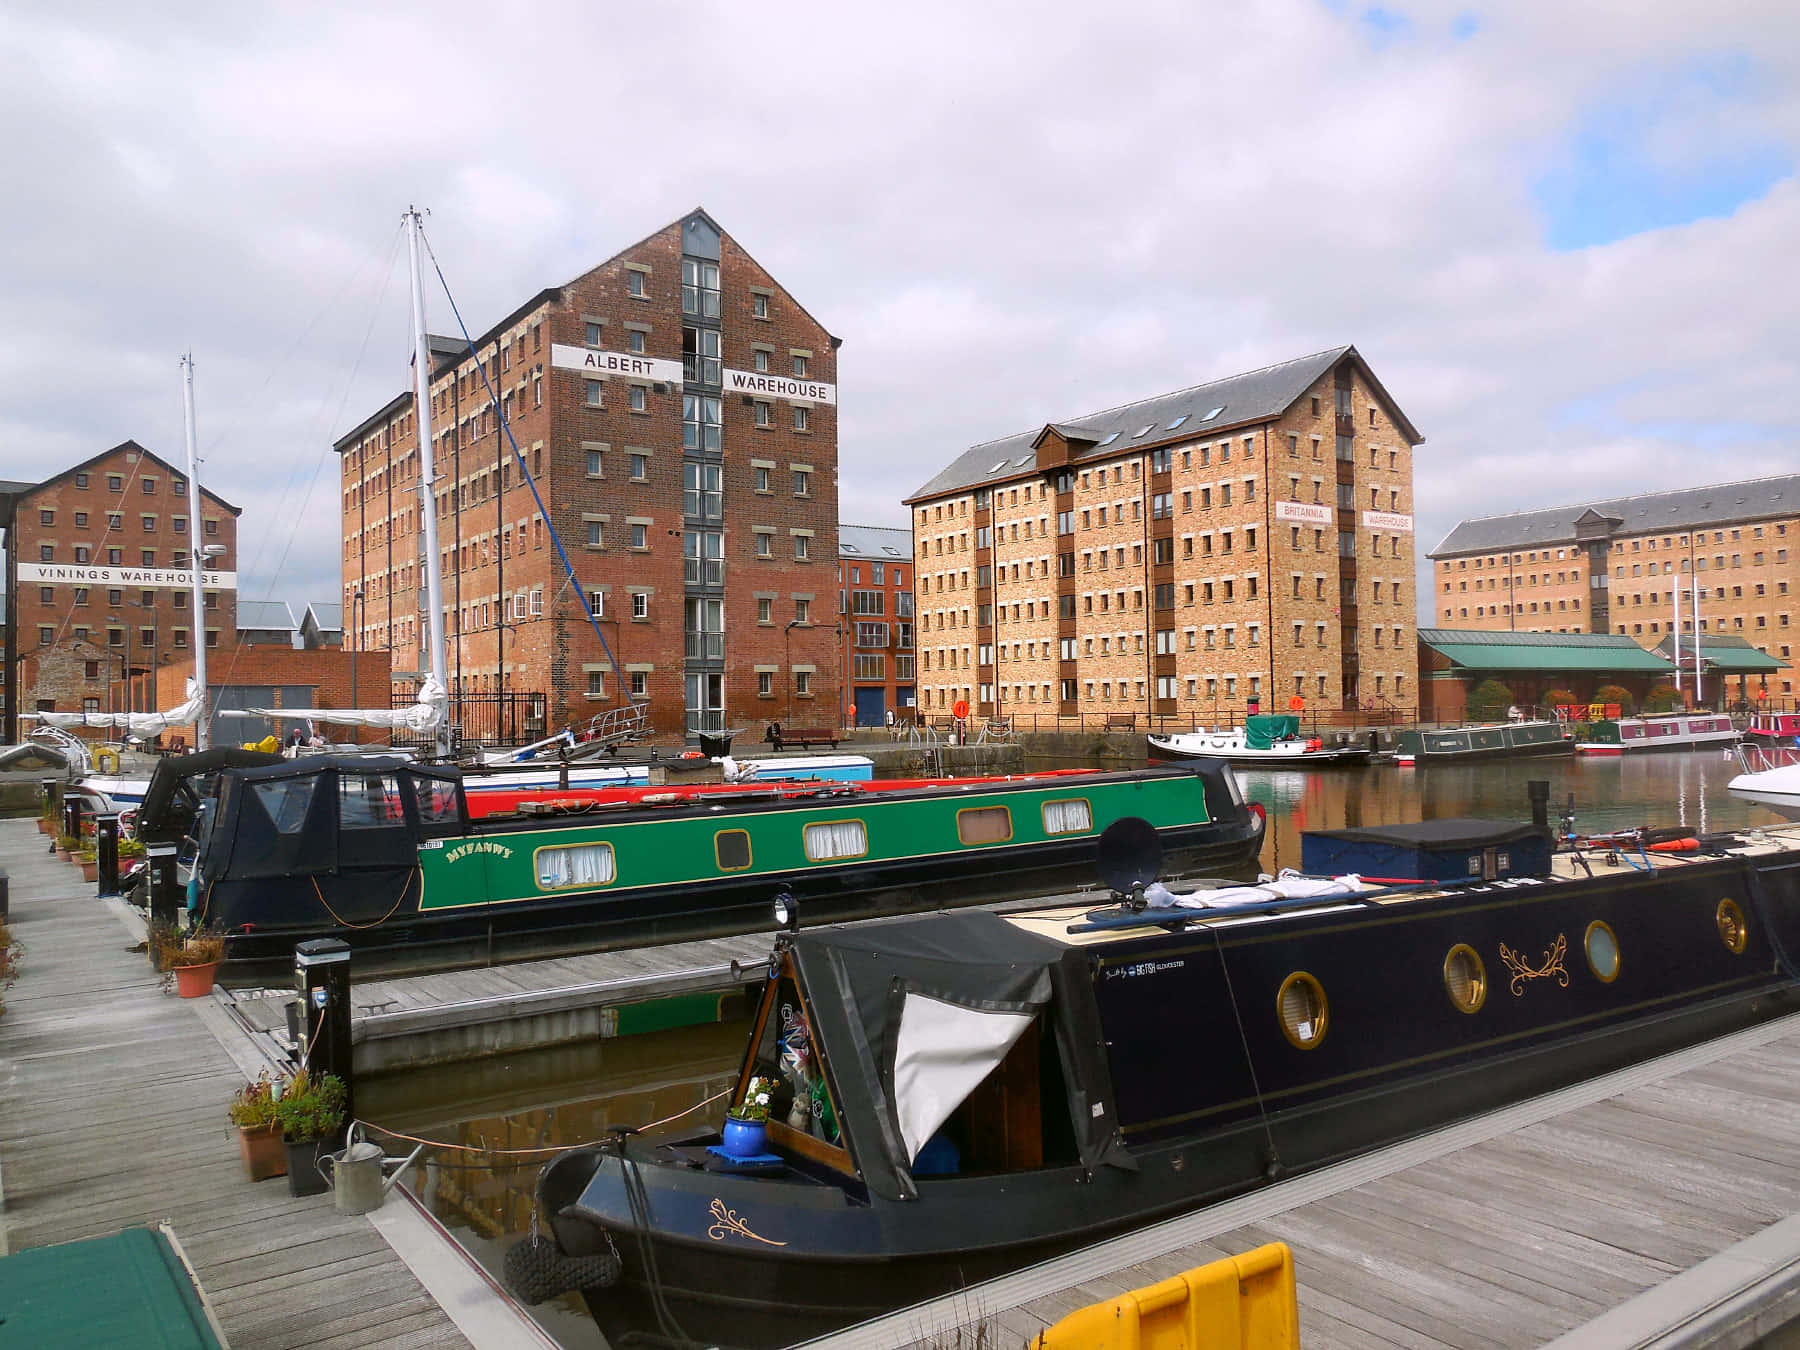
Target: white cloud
(1009, 213)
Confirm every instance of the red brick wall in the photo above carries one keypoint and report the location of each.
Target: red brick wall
(326, 669)
(55, 655)
(555, 650)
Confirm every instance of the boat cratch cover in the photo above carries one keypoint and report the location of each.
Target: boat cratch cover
(1264, 729)
(913, 1015)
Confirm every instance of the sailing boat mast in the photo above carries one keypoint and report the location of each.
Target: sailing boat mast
(196, 533)
(434, 581)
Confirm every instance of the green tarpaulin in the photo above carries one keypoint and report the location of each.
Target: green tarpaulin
(128, 1289)
(1261, 732)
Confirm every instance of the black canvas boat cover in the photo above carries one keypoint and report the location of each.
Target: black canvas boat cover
(171, 800)
(858, 980)
(1438, 834)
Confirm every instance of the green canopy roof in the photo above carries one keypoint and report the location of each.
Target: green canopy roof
(1597, 653)
(1724, 653)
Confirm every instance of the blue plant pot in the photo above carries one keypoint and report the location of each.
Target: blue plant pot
(745, 1138)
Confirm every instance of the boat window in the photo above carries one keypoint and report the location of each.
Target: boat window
(1303, 1011)
(1015, 1120)
(836, 839)
(1733, 931)
(1068, 817)
(437, 802)
(369, 801)
(786, 1053)
(984, 825)
(732, 849)
(574, 865)
(286, 800)
(1465, 978)
(1602, 946)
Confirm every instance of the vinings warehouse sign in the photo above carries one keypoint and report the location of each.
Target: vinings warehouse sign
(77, 574)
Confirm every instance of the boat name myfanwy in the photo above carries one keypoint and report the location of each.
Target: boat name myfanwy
(593, 361)
(479, 846)
(754, 382)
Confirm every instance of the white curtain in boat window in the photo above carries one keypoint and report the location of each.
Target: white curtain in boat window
(576, 865)
(1070, 817)
(836, 839)
(940, 1056)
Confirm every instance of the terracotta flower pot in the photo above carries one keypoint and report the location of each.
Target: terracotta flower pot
(90, 871)
(263, 1152)
(195, 981)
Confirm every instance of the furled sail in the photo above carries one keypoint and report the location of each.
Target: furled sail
(424, 715)
(184, 714)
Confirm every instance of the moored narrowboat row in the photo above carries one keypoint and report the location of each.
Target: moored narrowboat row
(384, 856)
(1498, 740)
(958, 1095)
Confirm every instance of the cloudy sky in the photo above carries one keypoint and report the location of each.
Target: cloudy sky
(1564, 234)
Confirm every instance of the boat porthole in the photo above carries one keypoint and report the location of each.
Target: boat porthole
(1465, 978)
(1734, 932)
(1602, 946)
(1303, 1011)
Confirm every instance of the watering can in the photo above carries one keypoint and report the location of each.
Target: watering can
(355, 1174)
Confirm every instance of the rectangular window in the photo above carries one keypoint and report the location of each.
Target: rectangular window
(1073, 816)
(699, 288)
(802, 547)
(640, 683)
(640, 536)
(802, 483)
(596, 534)
(575, 865)
(640, 398)
(596, 394)
(701, 422)
(731, 850)
(640, 604)
(802, 417)
(984, 825)
(828, 840)
(759, 308)
(640, 468)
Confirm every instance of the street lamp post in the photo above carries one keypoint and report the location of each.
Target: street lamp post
(787, 644)
(356, 601)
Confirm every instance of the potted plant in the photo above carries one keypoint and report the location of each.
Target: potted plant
(252, 1110)
(310, 1111)
(194, 960)
(90, 862)
(66, 844)
(746, 1124)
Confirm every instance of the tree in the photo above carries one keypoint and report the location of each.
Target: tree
(1488, 700)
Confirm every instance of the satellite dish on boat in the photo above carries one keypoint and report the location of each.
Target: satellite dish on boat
(1130, 854)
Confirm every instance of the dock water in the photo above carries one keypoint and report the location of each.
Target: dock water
(113, 1100)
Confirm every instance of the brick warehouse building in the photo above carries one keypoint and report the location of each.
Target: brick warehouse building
(875, 596)
(678, 410)
(1612, 566)
(1248, 538)
(102, 586)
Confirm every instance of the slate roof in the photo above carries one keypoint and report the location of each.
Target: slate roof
(1478, 649)
(1203, 410)
(327, 616)
(875, 541)
(265, 615)
(1646, 513)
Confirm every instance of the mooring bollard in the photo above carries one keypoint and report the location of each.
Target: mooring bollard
(74, 807)
(165, 890)
(106, 849)
(322, 978)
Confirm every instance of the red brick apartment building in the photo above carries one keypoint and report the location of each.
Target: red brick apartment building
(875, 596)
(1245, 539)
(678, 411)
(1613, 566)
(103, 590)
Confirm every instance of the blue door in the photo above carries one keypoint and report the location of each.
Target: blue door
(871, 707)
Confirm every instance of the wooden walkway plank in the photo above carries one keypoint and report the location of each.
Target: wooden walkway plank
(112, 1114)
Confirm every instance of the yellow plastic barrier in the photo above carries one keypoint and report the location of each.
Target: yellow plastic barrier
(106, 759)
(1241, 1301)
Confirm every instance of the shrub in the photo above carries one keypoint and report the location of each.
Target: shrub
(1560, 698)
(310, 1109)
(1662, 699)
(1612, 693)
(253, 1105)
(170, 947)
(1489, 699)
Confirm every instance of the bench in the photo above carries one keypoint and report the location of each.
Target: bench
(800, 740)
(1121, 721)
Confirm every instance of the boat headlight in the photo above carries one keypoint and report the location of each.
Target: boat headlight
(787, 912)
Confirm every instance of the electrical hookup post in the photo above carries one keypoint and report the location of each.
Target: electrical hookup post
(322, 979)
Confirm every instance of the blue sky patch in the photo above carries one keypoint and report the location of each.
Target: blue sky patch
(1605, 186)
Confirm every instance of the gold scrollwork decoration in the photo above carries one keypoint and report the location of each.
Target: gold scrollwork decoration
(726, 1221)
(1551, 968)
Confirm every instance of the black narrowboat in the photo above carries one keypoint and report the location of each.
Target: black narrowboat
(961, 1094)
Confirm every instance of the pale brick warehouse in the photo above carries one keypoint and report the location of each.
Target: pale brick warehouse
(1246, 539)
(677, 408)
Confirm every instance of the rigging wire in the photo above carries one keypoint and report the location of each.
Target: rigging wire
(524, 468)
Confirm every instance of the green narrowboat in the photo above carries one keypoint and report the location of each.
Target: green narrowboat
(383, 855)
(1496, 741)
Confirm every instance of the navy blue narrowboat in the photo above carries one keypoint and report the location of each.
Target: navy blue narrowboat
(957, 1095)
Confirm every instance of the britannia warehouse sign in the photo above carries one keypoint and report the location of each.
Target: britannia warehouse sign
(79, 574)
